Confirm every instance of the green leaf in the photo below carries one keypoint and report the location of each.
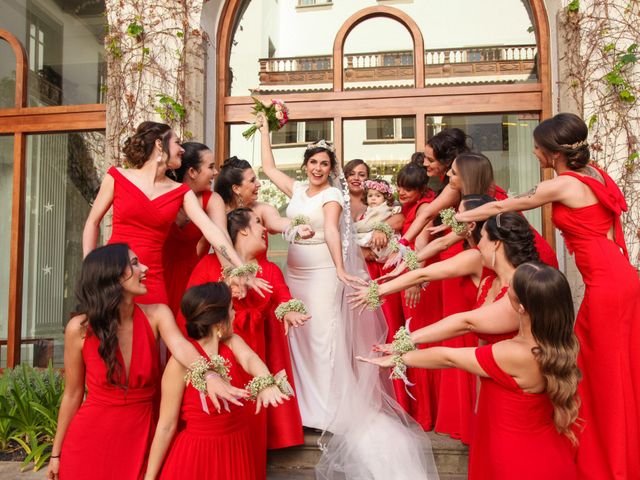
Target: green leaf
(574, 6)
(628, 58)
(180, 34)
(614, 78)
(627, 96)
(634, 156)
(592, 121)
(135, 29)
(609, 47)
(632, 48)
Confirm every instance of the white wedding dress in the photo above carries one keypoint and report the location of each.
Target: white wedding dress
(371, 438)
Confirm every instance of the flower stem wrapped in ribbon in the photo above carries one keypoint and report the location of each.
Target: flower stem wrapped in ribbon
(448, 216)
(277, 115)
(293, 305)
(280, 380)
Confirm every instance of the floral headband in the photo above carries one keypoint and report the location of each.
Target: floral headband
(379, 186)
(322, 144)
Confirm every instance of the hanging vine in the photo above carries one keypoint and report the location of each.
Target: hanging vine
(602, 63)
(153, 47)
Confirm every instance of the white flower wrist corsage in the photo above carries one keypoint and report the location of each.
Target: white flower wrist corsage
(293, 305)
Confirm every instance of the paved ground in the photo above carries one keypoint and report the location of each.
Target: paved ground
(11, 471)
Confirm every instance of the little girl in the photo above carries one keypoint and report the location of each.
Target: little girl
(209, 444)
(378, 196)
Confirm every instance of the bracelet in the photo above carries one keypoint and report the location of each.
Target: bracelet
(241, 271)
(198, 369)
(293, 305)
(411, 259)
(448, 218)
(384, 228)
(373, 301)
(54, 456)
(404, 241)
(402, 342)
(399, 371)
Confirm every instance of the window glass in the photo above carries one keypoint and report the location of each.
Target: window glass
(507, 140)
(6, 189)
(64, 43)
(287, 45)
(7, 76)
(61, 184)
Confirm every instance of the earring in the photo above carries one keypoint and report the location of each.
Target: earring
(159, 159)
(219, 333)
(239, 201)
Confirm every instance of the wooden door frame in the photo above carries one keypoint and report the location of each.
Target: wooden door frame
(338, 104)
(21, 121)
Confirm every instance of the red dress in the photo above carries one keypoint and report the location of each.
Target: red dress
(110, 434)
(608, 328)
(180, 256)
(457, 389)
(428, 311)
(486, 284)
(144, 224)
(515, 437)
(215, 446)
(256, 324)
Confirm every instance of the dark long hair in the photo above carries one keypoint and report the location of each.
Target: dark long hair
(413, 177)
(545, 295)
(99, 295)
(312, 150)
(474, 201)
(565, 133)
(231, 174)
(514, 231)
(138, 147)
(191, 158)
(350, 166)
(204, 306)
(447, 145)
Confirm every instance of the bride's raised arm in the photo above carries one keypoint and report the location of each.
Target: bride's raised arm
(280, 179)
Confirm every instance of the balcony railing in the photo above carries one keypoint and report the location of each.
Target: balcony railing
(398, 65)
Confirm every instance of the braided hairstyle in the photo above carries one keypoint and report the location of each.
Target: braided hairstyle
(545, 295)
(565, 133)
(204, 306)
(191, 158)
(231, 174)
(100, 293)
(514, 231)
(139, 147)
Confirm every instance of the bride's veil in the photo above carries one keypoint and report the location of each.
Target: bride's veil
(368, 435)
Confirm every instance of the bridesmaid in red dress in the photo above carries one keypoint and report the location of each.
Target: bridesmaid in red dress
(586, 207)
(111, 348)
(198, 442)
(255, 322)
(145, 205)
(528, 404)
(184, 246)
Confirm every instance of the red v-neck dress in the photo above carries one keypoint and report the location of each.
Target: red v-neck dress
(180, 257)
(608, 328)
(144, 225)
(110, 434)
(514, 435)
(215, 446)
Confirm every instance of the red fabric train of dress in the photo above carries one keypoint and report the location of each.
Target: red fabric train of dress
(215, 446)
(144, 224)
(428, 311)
(515, 436)
(457, 389)
(608, 328)
(180, 257)
(256, 324)
(110, 434)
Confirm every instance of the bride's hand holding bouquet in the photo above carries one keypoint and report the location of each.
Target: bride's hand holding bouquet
(269, 118)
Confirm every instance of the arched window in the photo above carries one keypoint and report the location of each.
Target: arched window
(379, 78)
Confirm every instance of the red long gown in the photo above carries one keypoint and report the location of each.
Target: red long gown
(428, 311)
(215, 446)
(255, 323)
(457, 389)
(515, 437)
(110, 434)
(144, 225)
(180, 257)
(608, 328)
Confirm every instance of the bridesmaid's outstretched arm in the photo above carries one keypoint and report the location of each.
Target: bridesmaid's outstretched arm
(448, 198)
(100, 206)
(74, 376)
(280, 179)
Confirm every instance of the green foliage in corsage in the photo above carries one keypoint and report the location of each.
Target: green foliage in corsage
(373, 300)
(448, 216)
(241, 271)
(399, 371)
(411, 259)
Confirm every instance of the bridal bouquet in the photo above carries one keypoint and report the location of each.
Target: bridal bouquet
(277, 114)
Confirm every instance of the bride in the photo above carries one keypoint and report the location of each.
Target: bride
(371, 437)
